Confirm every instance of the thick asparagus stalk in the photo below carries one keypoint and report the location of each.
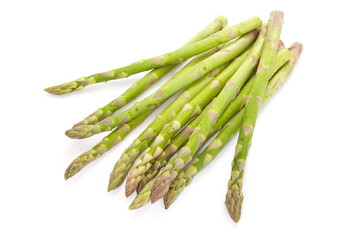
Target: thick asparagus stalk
(176, 56)
(185, 176)
(234, 196)
(103, 146)
(153, 76)
(167, 90)
(127, 159)
(147, 181)
(191, 109)
(202, 130)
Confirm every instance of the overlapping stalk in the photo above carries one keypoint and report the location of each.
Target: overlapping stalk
(190, 109)
(175, 84)
(207, 155)
(123, 165)
(202, 130)
(147, 179)
(176, 56)
(180, 139)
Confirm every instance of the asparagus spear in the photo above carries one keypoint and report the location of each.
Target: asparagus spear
(143, 83)
(176, 56)
(145, 186)
(103, 146)
(185, 176)
(202, 130)
(234, 196)
(190, 109)
(152, 77)
(167, 90)
(126, 160)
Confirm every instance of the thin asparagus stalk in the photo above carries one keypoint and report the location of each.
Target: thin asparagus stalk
(190, 109)
(147, 181)
(202, 130)
(167, 90)
(234, 196)
(127, 159)
(282, 57)
(103, 146)
(153, 76)
(150, 78)
(176, 56)
(185, 176)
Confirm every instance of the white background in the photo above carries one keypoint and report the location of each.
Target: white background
(302, 177)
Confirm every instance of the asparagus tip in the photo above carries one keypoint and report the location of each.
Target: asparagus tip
(112, 185)
(141, 200)
(130, 186)
(222, 20)
(233, 202)
(82, 131)
(128, 192)
(159, 190)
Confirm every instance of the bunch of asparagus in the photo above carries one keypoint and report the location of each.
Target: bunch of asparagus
(233, 71)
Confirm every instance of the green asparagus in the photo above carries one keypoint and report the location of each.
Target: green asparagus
(176, 56)
(153, 101)
(190, 109)
(147, 182)
(234, 196)
(202, 130)
(127, 159)
(103, 146)
(153, 76)
(185, 176)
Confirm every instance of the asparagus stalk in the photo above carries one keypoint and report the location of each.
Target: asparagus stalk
(150, 78)
(167, 90)
(103, 146)
(176, 56)
(185, 176)
(234, 196)
(153, 76)
(190, 109)
(127, 159)
(147, 181)
(202, 130)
